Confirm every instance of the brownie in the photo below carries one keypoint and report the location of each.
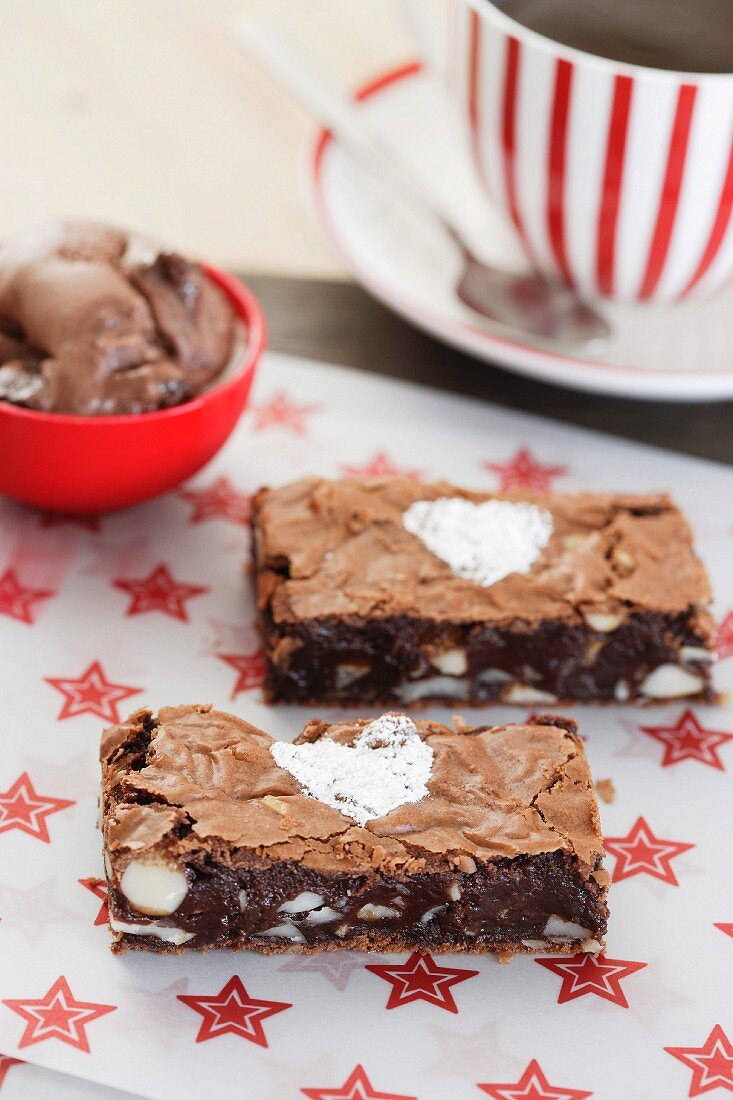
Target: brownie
(387, 835)
(389, 591)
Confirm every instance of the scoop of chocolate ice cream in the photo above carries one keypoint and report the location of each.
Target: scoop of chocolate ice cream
(93, 324)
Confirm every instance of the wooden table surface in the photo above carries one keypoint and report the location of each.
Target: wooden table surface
(338, 322)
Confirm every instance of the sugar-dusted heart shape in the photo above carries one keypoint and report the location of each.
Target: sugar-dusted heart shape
(387, 765)
(481, 542)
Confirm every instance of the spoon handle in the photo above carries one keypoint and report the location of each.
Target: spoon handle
(265, 43)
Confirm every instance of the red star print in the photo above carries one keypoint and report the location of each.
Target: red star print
(58, 1015)
(233, 1012)
(249, 666)
(380, 466)
(724, 637)
(335, 966)
(524, 471)
(16, 599)
(727, 928)
(55, 519)
(357, 1086)
(98, 887)
(281, 412)
(711, 1064)
(688, 740)
(219, 501)
(21, 807)
(421, 979)
(643, 853)
(92, 693)
(533, 1085)
(6, 1063)
(583, 974)
(159, 591)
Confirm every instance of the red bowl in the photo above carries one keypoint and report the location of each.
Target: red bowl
(88, 464)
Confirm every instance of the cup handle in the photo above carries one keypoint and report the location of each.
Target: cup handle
(423, 19)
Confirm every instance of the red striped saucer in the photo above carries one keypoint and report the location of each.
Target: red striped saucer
(674, 353)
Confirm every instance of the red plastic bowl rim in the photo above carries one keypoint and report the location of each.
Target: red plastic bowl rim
(248, 310)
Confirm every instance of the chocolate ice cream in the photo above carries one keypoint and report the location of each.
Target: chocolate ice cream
(93, 323)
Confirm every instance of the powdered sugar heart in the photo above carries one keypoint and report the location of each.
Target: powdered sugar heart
(388, 765)
(481, 542)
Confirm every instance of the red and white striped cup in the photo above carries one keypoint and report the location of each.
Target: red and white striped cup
(618, 178)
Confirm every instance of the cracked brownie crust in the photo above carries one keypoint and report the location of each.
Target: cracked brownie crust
(356, 609)
(208, 843)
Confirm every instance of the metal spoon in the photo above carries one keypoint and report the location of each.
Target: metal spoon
(527, 304)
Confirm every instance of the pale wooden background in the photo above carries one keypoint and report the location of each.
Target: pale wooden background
(143, 112)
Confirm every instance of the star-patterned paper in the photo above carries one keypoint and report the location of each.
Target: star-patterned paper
(57, 1015)
(6, 1064)
(711, 1063)
(379, 465)
(232, 1011)
(218, 500)
(643, 853)
(159, 591)
(153, 607)
(249, 667)
(421, 979)
(91, 693)
(280, 412)
(584, 975)
(532, 1085)
(17, 600)
(688, 739)
(23, 808)
(98, 887)
(524, 471)
(357, 1086)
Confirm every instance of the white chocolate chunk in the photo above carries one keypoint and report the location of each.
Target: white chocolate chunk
(377, 912)
(284, 931)
(449, 686)
(603, 621)
(564, 931)
(175, 936)
(670, 682)
(243, 900)
(428, 916)
(323, 915)
(493, 676)
(622, 692)
(346, 674)
(153, 887)
(575, 541)
(697, 653)
(305, 901)
(523, 693)
(108, 866)
(587, 947)
(451, 662)
(454, 892)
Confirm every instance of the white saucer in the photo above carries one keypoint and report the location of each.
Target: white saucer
(683, 353)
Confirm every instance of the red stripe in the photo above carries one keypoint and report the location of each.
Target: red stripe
(556, 165)
(474, 55)
(670, 196)
(509, 124)
(613, 171)
(719, 229)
